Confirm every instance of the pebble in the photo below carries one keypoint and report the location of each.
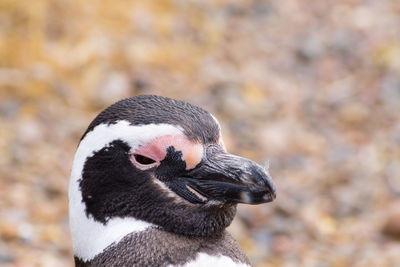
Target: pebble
(392, 225)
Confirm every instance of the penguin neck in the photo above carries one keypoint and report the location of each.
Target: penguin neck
(191, 221)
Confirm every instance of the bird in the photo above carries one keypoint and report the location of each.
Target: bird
(152, 184)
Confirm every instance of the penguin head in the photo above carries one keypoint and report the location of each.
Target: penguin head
(162, 161)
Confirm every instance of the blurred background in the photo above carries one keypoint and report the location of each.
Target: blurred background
(312, 87)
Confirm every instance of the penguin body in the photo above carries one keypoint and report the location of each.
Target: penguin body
(152, 185)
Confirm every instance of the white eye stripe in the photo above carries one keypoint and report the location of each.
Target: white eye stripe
(216, 121)
(89, 236)
(221, 141)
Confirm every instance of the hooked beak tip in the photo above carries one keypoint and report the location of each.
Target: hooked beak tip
(261, 183)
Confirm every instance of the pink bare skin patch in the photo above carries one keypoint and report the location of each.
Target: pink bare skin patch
(156, 151)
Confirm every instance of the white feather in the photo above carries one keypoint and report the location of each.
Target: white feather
(216, 121)
(90, 237)
(206, 260)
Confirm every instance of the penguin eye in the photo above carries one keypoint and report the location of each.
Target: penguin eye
(143, 160)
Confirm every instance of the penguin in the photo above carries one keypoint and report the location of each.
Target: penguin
(153, 185)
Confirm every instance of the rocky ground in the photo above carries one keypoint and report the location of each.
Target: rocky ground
(311, 87)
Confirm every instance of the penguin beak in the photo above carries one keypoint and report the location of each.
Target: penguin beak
(227, 178)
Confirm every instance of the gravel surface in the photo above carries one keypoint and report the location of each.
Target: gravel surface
(312, 88)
